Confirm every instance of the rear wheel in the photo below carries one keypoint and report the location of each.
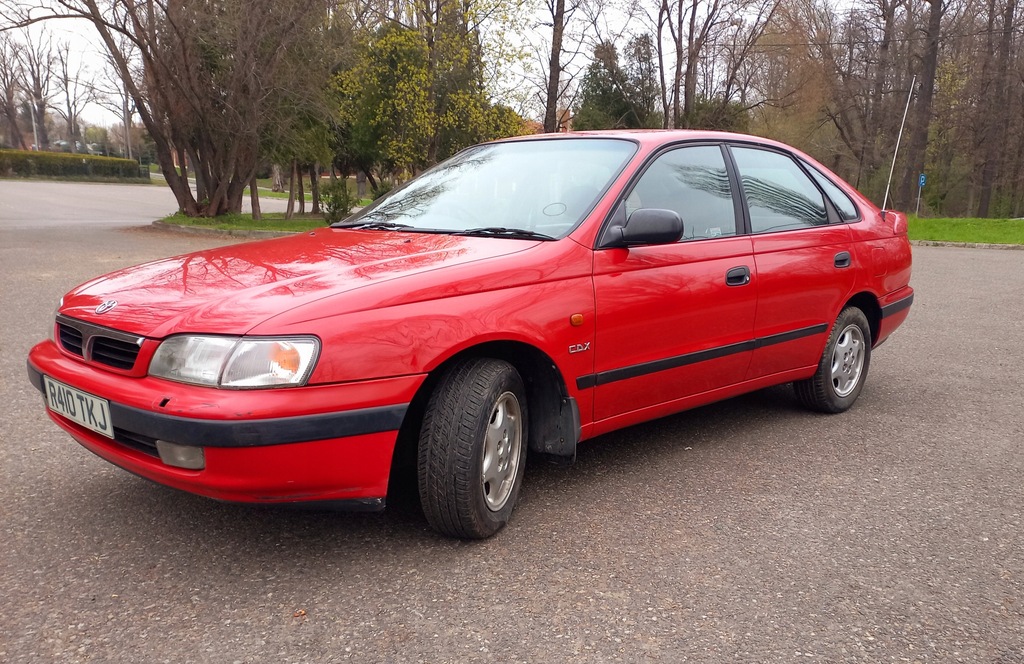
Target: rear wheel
(843, 367)
(472, 448)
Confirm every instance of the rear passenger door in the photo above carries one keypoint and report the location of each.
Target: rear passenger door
(675, 320)
(803, 255)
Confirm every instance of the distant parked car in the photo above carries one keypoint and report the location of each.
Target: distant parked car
(65, 146)
(524, 295)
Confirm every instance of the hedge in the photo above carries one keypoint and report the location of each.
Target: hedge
(20, 163)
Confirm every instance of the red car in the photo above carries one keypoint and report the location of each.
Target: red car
(526, 294)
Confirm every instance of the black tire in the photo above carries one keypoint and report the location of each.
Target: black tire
(458, 439)
(843, 367)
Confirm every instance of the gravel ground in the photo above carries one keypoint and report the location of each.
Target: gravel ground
(746, 531)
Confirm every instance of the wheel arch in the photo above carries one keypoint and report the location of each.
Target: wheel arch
(868, 303)
(554, 419)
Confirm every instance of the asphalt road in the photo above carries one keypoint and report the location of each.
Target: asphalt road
(747, 531)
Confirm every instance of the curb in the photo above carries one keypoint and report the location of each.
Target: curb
(966, 245)
(200, 230)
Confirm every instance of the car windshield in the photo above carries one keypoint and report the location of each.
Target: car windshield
(537, 188)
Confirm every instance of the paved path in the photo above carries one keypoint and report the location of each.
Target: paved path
(747, 531)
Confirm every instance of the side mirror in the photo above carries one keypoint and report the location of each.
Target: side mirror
(650, 226)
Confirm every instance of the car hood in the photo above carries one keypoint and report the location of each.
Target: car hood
(232, 289)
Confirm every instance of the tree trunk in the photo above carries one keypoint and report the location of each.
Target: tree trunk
(183, 166)
(876, 115)
(39, 111)
(276, 178)
(662, 17)
(429, 28)
(314, 187)
(551, 119)
(999, 113)
(14, 136)
(677, 78)
(202, 191)
(923, 108)
(693, 48)
(301, 193)
(254, 199)
(290, 211)
(126, 117)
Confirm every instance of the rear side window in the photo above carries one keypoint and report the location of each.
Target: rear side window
(779, 194)
(694, 183)
(846, 208)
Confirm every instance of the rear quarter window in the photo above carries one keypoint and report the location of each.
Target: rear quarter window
(844, 205)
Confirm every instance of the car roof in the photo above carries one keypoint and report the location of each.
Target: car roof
(649, 138)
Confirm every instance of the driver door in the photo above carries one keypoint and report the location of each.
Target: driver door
(675, 320)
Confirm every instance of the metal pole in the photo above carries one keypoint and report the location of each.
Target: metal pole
(892, 169)
(128, 136)
(917, 213)
(35, 134)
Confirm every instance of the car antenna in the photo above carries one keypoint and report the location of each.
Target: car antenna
(888, 184)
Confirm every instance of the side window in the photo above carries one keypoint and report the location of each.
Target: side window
(693, 182)
(779, 195)
(846, 208)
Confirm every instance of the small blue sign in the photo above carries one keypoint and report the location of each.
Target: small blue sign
(922, 180)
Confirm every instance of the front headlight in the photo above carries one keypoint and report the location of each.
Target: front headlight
(236, 362)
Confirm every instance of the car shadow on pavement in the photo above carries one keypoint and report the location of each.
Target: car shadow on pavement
(609, 468)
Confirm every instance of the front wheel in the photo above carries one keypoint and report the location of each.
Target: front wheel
(843, 367)
(472, 448)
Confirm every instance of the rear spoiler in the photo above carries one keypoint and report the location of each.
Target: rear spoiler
(899, 221)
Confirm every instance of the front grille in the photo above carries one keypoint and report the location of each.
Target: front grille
(71, 339)
(101, 345)
(137, 442)
(114, 353)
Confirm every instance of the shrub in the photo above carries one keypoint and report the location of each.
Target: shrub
(20, 163)
(382, 188)
(337, 200)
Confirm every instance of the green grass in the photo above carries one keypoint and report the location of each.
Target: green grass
(987, 231)
(232, 222)
(85, 178)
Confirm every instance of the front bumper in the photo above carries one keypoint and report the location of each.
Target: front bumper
(328, 443)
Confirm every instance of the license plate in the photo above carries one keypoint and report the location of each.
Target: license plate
(78, 406)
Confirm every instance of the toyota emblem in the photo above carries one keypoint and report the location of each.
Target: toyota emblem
(106, 306)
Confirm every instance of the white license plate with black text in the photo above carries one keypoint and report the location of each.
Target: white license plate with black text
(79, 407)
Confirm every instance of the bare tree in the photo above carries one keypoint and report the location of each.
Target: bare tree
(923, 105)
(10, 87)
(74, 90)
(552, 92)
(37, 71)
(212, 74)
(556, 59)
(997, 120)
(112, 94)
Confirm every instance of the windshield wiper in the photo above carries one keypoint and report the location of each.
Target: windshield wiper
(501, 231)
(372, 225)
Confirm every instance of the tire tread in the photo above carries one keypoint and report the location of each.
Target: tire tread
(816, 393)
(449, 435)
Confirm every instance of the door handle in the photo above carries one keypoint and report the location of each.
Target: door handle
(842, 259)
(738, 276)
